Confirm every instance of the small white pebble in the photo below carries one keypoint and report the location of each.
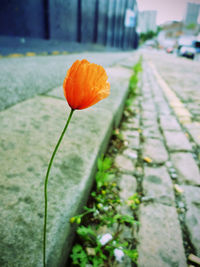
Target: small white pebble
(133, 155)
(173, 175)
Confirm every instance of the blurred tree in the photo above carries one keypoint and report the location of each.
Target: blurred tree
(149, 35)
(191, 26)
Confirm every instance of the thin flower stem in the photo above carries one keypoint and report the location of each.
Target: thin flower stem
(46, 182)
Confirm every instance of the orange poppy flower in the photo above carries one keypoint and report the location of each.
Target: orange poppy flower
(85, 84)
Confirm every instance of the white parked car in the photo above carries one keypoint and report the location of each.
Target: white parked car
(187, 51)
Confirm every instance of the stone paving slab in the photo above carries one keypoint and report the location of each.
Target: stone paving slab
(148, 106)
(164, 109)
(186, 168)
(147, 123)
(152, 132)
(124, 164)
(29, 132)
(132, 138)
(160, 240)
(157, 185)
(192, 197)
(127, 191)
(194, 129)
(169, 123)
(133, 142)
(149, 115)
(177, 141)
(155, 150)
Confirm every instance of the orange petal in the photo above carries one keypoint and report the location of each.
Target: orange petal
(85, 84)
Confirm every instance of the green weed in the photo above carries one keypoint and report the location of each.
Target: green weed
(133, 84)
(94, 249)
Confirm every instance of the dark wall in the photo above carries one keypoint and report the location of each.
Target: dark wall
(88, 15)
(118, 23)
(102, 22)
(63, 19)
(87, 21)
(22, 18)
(111, 21)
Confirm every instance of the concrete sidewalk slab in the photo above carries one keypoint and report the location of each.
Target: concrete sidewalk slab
(29, 133)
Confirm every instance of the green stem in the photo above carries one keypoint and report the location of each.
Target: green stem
(46, 182)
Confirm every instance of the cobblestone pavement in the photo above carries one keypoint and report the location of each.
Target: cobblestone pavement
(183, 77)
(161, 163)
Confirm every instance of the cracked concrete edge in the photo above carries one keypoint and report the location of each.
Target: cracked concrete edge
(70, 229)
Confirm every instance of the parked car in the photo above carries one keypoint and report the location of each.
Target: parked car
(187, 51)
(188, 46)
(197, 46)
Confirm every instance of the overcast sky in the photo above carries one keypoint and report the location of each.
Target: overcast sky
(167, 10)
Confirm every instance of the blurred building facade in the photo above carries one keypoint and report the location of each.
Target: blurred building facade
(84, 21)
(147, 21)
(192, 13)
(170, 33)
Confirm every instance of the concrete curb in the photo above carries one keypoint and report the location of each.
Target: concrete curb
(29, 132)
(23, 78)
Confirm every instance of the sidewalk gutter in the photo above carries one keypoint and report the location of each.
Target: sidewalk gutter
(29, 132)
